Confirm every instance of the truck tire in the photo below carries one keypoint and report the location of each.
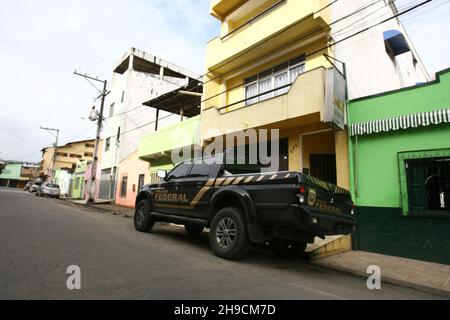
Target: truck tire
(194, 229)
(287, 249)
(228, 234)
(143, 222)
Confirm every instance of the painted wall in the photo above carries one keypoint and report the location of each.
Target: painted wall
(375, 182)
(370, 69)
(75, 151)
(11, 171)
(131, 168)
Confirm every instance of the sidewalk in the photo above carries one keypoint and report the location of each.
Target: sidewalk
(108, 207)
(421, 275)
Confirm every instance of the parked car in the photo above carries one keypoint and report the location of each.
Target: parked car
(28, 186)
(48, 189)
(243, 206)
(35, 186)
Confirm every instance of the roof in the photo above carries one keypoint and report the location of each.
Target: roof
(146, 62)
(69, 143)
(174, 101)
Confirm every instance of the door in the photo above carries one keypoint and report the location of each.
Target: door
(167, 197)
(196, 189)
(323, 166)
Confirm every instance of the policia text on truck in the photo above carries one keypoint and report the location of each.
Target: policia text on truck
(242, 206)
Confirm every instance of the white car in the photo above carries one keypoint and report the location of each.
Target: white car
(48, 189)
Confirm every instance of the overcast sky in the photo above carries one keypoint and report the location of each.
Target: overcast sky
(42, 42)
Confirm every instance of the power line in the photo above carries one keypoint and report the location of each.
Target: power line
(323, 48)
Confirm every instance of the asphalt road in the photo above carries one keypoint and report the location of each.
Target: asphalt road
(40, 238)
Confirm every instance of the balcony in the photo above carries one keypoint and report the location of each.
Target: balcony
(160, 144)
(303, 104)
(287, 21)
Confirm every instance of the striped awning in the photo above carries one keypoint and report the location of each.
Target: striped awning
(422, 119)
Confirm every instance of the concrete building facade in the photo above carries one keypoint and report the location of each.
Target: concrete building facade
(138, 77)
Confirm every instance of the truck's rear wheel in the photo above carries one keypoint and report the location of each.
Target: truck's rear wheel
(228, 234)
(194, 229)
(143, 222)
(287, 249)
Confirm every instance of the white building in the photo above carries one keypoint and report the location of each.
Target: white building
(137, 78)
(379, 59)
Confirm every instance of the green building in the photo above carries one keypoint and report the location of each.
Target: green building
(156, 148)
(400, 171)
(78, 181)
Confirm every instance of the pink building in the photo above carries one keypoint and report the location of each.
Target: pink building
(133, 173)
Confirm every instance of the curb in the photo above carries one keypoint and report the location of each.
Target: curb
(93, 207)
(384, 279)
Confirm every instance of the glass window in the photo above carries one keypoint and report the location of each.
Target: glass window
(273, 78)
(264, 86)
(428, 184)
(179, 172)
(111, 110)
(251, 90)
(200, 170)
(295, 71)
(281, 79)
(107, 144)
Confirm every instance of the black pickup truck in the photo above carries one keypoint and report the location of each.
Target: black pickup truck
(285, 210)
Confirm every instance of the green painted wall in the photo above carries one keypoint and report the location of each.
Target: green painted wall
(374, 157)
(11, 172)
(182, 134)
(387, 231)
(377, 162)
(78, 180)
(375, 180)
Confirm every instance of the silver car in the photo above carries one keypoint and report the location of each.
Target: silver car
(48, 189)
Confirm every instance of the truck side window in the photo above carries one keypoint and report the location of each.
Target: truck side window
(179, 172)
(200, 170)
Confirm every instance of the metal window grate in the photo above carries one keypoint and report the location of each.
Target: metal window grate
(428, 184)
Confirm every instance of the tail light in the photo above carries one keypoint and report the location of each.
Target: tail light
(301, 196)
(352, 212)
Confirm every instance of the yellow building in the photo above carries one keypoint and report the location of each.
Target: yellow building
(268, 70)
(67, 156)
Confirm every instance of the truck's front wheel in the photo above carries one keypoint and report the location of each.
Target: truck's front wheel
(228, 234)
(143, 222)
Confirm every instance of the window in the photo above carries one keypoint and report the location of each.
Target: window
(61, 154)
(111, 110)
(141, 180)
(88, 154)
(180, 171)
(425, 178)
(268, 81)
(90, 145)
(107, 144)
(200, 170)
(78, 156)
(122, 99)
(118, 135)
(123, 187)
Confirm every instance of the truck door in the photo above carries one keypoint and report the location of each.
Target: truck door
(167, 197)
(197, 188)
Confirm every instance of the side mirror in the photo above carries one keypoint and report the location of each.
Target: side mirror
(162, 174)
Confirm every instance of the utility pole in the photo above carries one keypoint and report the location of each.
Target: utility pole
(50, 130)
(99, 118)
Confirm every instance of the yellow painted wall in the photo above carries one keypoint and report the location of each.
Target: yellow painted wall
(235, 86)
